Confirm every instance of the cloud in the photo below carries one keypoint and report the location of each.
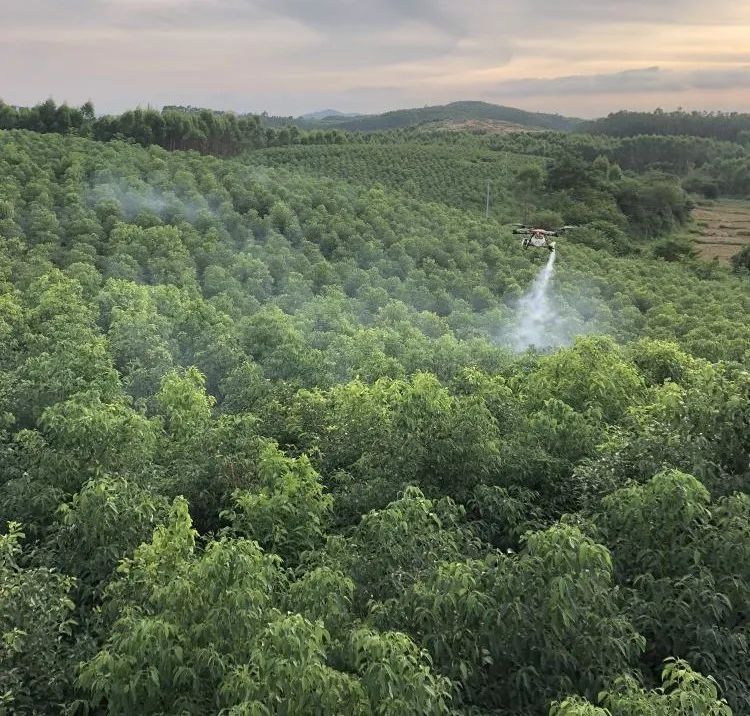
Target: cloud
(327, 16)
(616, 11)
(649, 79)
(290, 56)
(364, 16)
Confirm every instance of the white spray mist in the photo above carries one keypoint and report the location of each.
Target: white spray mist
(537, 315)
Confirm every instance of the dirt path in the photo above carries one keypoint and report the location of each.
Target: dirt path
(722, 228)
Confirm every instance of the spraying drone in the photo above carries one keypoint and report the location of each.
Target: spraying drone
(539, 238)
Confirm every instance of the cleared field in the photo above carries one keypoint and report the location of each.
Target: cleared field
(722, 228)
(481, 126)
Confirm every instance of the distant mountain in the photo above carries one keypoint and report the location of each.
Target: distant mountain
(323, 113)
(454, 113)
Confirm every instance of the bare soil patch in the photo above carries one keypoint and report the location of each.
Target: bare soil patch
(723, 228)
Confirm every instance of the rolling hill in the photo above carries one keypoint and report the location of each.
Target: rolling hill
(455, 113)
(325, 113)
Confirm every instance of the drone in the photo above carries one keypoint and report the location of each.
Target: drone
(539, 238)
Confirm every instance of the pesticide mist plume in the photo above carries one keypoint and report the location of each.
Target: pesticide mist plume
(537, 314)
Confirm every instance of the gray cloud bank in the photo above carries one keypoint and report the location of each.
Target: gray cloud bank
(649, 79)
(291, 56)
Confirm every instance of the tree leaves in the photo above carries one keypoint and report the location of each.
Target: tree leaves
(265, 422)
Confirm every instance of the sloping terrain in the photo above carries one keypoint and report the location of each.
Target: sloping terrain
(261, 442)
(480, 126)
(433, 172)
(453, 112)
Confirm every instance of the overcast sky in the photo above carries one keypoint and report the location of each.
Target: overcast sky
(576, 57)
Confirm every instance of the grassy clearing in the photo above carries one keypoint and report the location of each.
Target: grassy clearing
(722, 228)
(481, 126)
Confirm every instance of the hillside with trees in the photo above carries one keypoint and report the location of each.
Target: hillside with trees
(174, 128)
(726, 126)
(268, 445)
(453, 112)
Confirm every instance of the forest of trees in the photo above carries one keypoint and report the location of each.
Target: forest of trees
(202, 130)
(706, 166)
(727, 126)
(266, 445)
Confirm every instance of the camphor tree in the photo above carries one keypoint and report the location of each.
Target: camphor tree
(270, 452)
(201, 630)
(683, 692)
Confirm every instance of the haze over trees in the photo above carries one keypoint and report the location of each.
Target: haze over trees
(266, 448)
